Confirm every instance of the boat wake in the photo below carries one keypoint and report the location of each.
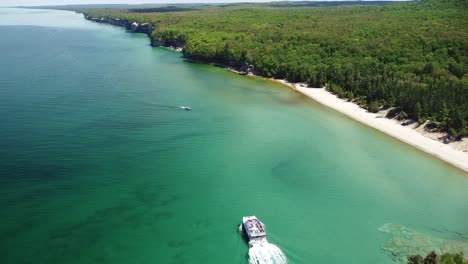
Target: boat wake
(184, 107)
(188, 108)
(262, 252)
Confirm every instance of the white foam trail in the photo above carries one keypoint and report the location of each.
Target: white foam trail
(262, 252)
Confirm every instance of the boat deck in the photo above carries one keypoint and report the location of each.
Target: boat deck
(253, 227)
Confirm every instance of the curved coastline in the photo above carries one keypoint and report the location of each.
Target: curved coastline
(455, 153)
(406, 134)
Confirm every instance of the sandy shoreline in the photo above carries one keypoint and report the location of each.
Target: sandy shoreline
(453, 153)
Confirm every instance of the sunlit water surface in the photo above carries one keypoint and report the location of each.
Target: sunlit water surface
(98, 165)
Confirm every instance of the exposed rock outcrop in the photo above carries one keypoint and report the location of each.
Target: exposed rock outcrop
(141, 28)
(170, 43)
(246, 69)
(116, 21)
(134, 27)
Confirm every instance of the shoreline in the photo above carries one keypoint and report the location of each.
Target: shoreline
(454, 153)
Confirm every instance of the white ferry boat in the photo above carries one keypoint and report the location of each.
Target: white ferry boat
(260, 251)
(254, 229)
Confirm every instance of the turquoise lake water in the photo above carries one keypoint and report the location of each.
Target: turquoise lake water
(98, 165)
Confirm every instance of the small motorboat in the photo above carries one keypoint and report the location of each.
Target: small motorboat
(186, 108)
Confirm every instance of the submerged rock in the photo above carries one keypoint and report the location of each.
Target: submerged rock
(406, 242)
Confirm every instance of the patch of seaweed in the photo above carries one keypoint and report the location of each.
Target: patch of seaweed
(407, 242)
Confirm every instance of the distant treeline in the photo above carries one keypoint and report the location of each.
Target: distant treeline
(410, 56)
(163, 9)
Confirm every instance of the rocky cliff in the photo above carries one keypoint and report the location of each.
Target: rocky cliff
(134, 26)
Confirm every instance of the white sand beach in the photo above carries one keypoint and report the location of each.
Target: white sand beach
(454, 153)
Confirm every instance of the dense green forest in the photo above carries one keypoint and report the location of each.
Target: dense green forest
(433, 258)
(409, 56)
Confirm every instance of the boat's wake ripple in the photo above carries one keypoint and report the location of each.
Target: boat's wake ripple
(266, 253)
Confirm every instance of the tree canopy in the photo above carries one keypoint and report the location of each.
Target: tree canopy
(411, 56)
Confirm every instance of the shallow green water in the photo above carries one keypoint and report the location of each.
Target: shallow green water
(97, 165)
